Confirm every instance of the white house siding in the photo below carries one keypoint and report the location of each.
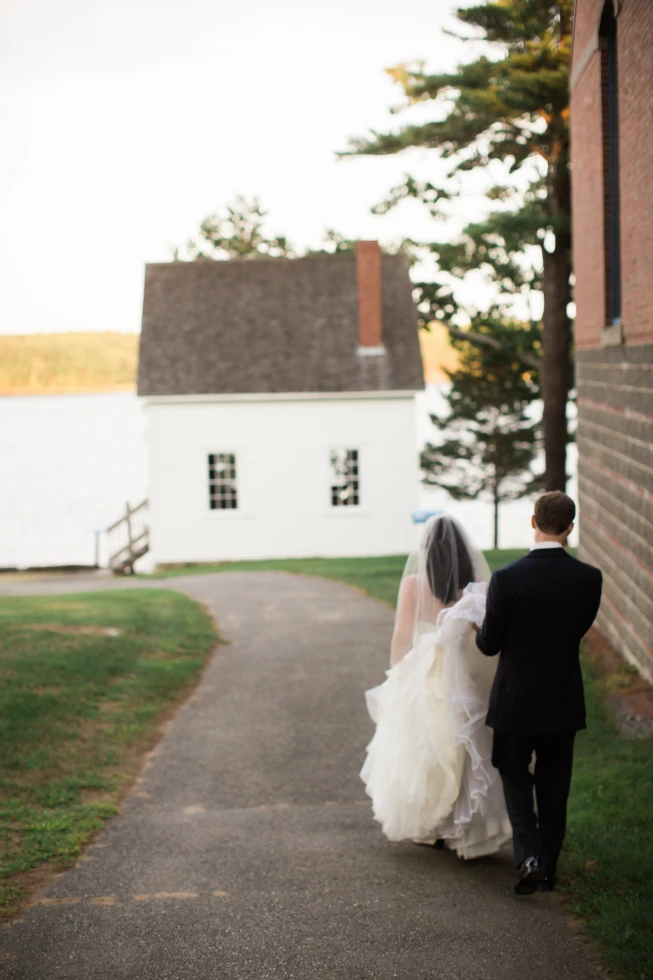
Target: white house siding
(282, 445)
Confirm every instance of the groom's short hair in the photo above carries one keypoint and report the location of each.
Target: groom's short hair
(554, 512)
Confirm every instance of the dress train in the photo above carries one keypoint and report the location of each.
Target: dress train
(428, 767)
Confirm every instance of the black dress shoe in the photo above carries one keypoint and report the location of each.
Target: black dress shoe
(529, 877)
(547, 883)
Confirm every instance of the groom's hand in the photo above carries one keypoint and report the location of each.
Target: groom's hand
(475, 627)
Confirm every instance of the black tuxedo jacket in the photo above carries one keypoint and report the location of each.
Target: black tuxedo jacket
(538, 610)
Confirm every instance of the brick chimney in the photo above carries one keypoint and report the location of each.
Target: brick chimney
(368, 275)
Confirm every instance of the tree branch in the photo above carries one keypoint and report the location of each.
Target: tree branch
(485, 341)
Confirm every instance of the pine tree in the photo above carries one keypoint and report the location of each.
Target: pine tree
(514, 109)
(236, 234)
(490, 438)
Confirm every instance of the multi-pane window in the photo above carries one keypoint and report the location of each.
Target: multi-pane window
(345, 485)
(223, 494)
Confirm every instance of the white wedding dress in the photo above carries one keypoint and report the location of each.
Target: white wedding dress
(428, 767)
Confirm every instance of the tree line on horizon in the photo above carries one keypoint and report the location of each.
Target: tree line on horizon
(58, 363)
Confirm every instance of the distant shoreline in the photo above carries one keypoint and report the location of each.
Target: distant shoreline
(67, 364)
(24, 391)
(101, 363)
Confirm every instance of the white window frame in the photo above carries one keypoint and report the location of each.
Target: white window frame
(241, 452)
(229, 482)
(345, 508)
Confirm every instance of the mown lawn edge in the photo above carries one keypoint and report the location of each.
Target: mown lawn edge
(80, 712)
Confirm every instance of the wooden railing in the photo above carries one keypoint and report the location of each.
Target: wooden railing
(129, 539)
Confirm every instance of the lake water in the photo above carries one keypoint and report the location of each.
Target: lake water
(69, 463)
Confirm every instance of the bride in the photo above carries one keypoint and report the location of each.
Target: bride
(428, 768)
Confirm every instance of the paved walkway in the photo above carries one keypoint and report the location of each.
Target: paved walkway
(248, 851)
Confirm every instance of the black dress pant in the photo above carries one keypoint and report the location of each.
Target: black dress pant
(540, 835)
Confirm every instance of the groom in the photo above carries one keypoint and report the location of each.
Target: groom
(538, 610)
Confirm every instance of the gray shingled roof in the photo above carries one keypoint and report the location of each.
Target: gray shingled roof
(272, 325)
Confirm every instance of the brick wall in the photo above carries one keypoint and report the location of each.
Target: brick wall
(635, 45)
(615, 382)
(587, 14)
(615, 444)
(587, 199)
(635, 57)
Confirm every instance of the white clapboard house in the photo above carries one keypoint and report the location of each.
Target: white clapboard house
(279, 397)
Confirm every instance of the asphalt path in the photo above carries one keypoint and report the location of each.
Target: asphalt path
(247, 851)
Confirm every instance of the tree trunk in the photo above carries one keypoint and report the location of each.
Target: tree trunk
(556, 373)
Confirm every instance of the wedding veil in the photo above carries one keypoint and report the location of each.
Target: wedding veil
(434, 576)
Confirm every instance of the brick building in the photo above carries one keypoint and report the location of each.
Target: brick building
(612, 188)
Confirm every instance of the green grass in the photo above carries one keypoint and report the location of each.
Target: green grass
(78, 708)
(378, 577)
(608, 856)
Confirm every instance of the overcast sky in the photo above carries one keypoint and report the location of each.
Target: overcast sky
(126, 122)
